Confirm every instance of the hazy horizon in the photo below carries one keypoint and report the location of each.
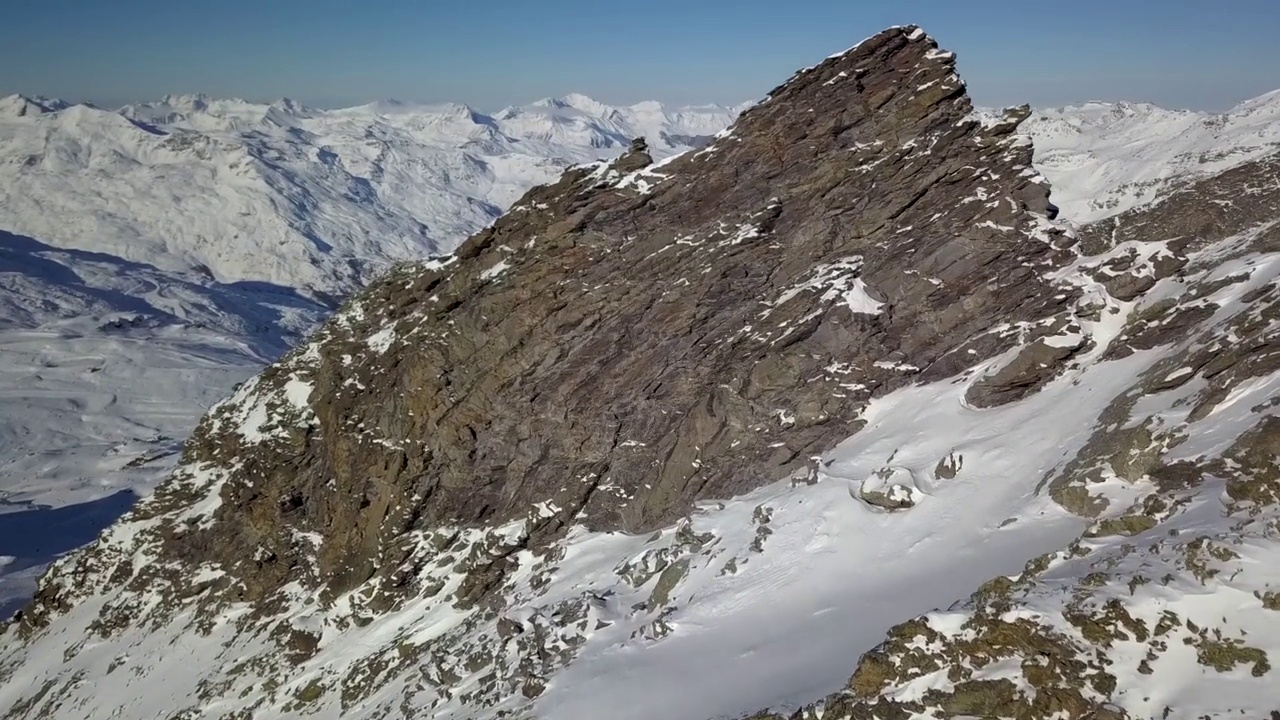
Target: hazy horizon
(328, 54)
(117, 104)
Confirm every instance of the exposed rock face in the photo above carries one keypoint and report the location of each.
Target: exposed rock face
(635, 338)
(1159, 606)
(380, 525)
(620, 345)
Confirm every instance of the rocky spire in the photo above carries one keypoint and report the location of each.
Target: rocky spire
(624, 343)
(632, 338)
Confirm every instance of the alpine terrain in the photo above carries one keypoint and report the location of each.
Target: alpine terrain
(1106, 158)
(153, 257)
(290, 195)
(837, 416)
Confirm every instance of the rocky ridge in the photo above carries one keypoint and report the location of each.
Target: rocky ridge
(1165, 607)
(403, 514)
(129, 246)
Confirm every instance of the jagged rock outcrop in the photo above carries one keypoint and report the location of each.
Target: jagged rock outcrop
(636, 391)
(1164, 607)
(706, 311)
(623, 343)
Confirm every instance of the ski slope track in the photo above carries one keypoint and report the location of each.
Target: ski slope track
(825, 419)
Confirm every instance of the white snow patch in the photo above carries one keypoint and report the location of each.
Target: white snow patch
(493, 272)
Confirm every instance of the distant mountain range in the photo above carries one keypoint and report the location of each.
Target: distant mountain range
(322, 200)
(295, 196)
(1106, 158)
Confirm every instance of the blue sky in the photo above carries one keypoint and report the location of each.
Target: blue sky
(491, 53)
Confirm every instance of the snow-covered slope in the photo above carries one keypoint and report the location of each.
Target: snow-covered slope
(1105, 158)
(257, 206)
(1166, 606)
(108, 364)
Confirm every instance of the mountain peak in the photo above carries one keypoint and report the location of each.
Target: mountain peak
(445, 110)
(1265, 103)
(17, 105)
(698, 436)
(911, 32)
(576, 101)
(550, 102)
(586, 104)
(385, 106)
(620, 349)
(292, 107)
(452, 109)
(917, 54)
(651, 106)
(190, 102)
